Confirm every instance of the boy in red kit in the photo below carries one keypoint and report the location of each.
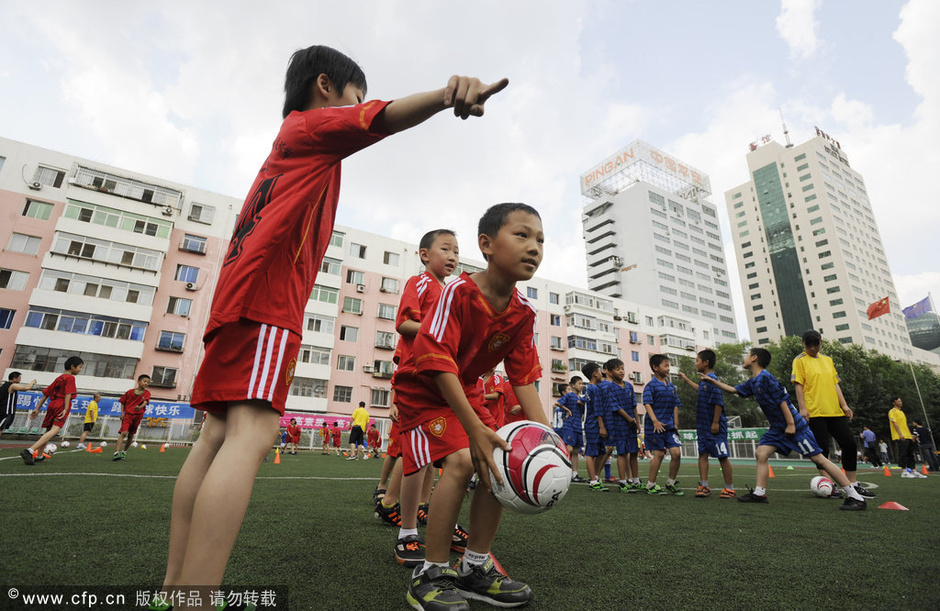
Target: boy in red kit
(375, 441)
(60, 394)
(480, 320)
(512, 410)
(337, 439)
(325, 438)
(133, 406)
(293, 436)
(255, 323)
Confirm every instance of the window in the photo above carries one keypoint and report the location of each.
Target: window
(553, 298)
(532, 292)
(193, 243)
(634, 355)
(170, 341)
(385, 339)
(346, 363)
(49, 176)
(380, 397)
(314, 355)
(357, 250)
(186, 273)
(556, 320)
(324, 294)
(342, 394)
(337, 238)
(389, 285)
(163, 377)
(555, 343)
(13, 280)
(6, 318)
(179, 306)
(355, 277)
(26, 244)
(383, 369)
(202, 213)
(330, 266)
(352, 305)
(37, 210)
(833, 289)
(390, 258)
(320, 324)
(387, 311)
(349, 334)
(144, 227)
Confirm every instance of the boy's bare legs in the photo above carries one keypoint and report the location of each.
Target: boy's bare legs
(388, 465)
(81, 440)
(410, 495)
(46, 437)
(427, 486)
(448, 497)
(485, 515)
(622, 468)
(703, 467)
(575, 455)
(675, 459)
(655, 461)
(763, 467)
(591, 462)
(726, 471)
(829, 468)
(213, 491)
(634, 470)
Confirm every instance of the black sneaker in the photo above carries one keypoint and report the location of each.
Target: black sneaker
(409, 551)
(836, 493)
(389, 515)
(750, 497)
(484, 582)
(423, 514)
(458, 542)
(117, 456)
(865, 492)
(851, 504)
(434, 590)
(577, 479)
(38, 459)
(27, 456)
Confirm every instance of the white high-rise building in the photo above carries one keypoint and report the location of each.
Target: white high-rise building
(808, 249)
(652, 237)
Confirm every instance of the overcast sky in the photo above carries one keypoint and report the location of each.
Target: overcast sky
(192, 91)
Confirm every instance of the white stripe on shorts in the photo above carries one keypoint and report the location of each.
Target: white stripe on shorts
(280, 358)
(420, 447)
(265, 371)
(254, 368)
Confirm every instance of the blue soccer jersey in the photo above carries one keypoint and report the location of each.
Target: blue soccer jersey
(709, 396)
(602, 406)
(572, 401)
(590, 410)
(770, 393)
(663, 398)
(615, 399)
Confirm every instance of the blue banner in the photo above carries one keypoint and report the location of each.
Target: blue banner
(27, 400)
(918, 309)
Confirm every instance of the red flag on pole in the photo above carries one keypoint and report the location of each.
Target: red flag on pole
(880, 307)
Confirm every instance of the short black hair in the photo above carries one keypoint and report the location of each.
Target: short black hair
(293, 419)
(305, 65)
(142, 376)
(427, 240)
(495, 217)
(362, 404)
(812, 338)
(73, 361)
(14, 374)
(657, 359)
(893, 399)
(336, 424)
(574, 379)
(708, 357)
(588, 369)
(763, 356)
(612, 364)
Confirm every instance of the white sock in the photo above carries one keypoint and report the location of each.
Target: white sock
(595, 481)
(670, 481)
(404, 532)
(472, 559)
(637, 481)
(729, 486)
(427, 565)
(852, 493)
(704, 483)
(650, 483)
(623, 481)
(760, 491)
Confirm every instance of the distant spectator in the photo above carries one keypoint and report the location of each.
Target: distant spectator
(923, 437)
(883, 448)
(902, 435)
(868, 439)
(8, 394)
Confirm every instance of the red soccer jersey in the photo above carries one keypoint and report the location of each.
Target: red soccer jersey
(61, 386)
(374, 438)
(134, 403)
(419, 296)
(464, 329)
(337, 435)
(509, 401)
(293, 431)
(286, 222)
(325, 434)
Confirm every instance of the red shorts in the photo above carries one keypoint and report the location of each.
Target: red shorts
(246, 360)
(394, 441)
(337, 440)
(55, 416)
(130, 422)
(431, 442)
(295, 439)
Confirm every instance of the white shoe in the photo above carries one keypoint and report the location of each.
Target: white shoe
(80, 446)
(908, 474)
(919, 475)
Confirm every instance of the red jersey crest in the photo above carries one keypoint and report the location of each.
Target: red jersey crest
(437, 426)
(497, 341)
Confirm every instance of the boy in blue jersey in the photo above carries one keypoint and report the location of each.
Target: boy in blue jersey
(620, 412)
(711, 426)
(593, 426)
(572, 431)
(659, 431)
(788, 431)
(561, 412)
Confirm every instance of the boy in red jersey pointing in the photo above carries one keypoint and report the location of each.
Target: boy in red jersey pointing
(255, 324)
(133, 406)
(479, 320)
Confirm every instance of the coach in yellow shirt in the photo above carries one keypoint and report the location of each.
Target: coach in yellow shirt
(900, 434)
(823, 405)
(358, 425)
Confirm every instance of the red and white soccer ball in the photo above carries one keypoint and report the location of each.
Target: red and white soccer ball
(822, 486)
(536, 472)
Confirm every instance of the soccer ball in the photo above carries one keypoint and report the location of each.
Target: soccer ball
(104, 444)
(65, 444)
(821, 486)
(134, 445)
(536, 471)
(50, 448)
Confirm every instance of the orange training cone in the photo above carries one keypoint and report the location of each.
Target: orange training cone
(277, 456)
(771, 471)
(163, 448)
(887, 471)
(923, 469)
(88, 447)
(97, 450)
(893, 505)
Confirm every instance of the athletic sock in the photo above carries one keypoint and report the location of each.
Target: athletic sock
(622, 481)
(650, 484)
(595, 481)
(729, 486)
(670, 481)
(637, 481)
(428, 565)
(852, 493)
(472, 559)
(704, 483)
(404, 532)
(760, 491)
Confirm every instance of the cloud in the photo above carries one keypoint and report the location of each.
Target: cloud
(797, 25)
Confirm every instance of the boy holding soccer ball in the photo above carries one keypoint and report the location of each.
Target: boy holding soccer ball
(480, 319)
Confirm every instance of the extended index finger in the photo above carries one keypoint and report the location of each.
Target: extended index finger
(493, 89)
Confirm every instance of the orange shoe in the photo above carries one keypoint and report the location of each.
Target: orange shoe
(727, 493)
(703, 491)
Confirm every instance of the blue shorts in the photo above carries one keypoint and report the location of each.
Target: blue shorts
(594, 445)
(802, 442)
(572, 439)
(715, 446)
(658, 442)
(626, 444)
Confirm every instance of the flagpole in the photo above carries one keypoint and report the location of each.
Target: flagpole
(922, 407)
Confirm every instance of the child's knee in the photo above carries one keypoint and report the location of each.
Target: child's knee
(459, 465)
